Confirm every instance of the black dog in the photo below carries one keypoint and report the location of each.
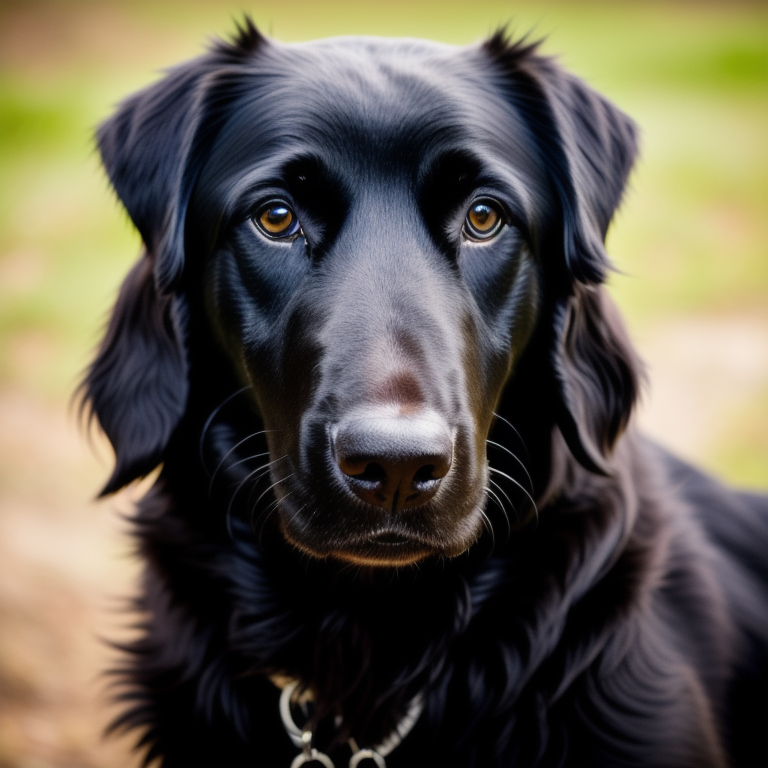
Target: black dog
(369, 347)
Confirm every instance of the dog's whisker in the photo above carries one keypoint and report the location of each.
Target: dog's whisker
(519, 485)
(518, 516)
(253, 477)
(255, 484)
(258, 473)
(263, 516)
(229, 453)
(503, 508)
(515, 457)
(514, 429)
(212, 416)
(489, 526)
(495, 484)
(494, 497)
(276, 483)
(298, 511)
(246, 459)
(501, 490)
(267, 510)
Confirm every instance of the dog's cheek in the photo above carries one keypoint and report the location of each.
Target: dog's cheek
(505, 283)
(237, 322)
(247, 295)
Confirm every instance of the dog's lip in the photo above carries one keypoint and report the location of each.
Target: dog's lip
(391, 539)
(385, 548)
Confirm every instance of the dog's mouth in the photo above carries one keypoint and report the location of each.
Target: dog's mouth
(387, 548)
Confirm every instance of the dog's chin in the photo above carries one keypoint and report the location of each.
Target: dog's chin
(391, 556)
(381, 549)
(378, 551)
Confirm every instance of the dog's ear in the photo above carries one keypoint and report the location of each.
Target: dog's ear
(154, 145)
(599, 143)
(137, 386)
(587, 147)
(597, 375)
(152, 149)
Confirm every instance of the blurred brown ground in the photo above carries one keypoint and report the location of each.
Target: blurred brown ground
(65, 571)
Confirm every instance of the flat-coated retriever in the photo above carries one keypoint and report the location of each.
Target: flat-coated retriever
(369, 347)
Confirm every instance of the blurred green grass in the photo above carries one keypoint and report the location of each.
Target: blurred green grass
(692, 234)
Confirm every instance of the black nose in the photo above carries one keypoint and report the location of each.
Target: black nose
(395, 462)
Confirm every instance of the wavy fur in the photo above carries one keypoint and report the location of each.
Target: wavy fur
(583, 599)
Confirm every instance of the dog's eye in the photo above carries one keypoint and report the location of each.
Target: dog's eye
(277, 221)
(484, 219)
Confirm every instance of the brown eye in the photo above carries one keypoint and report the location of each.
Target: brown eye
(483, 220)
(276, 220)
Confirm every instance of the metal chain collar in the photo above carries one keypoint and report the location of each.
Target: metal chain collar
(302, 739)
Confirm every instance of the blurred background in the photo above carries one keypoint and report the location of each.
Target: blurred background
(691, 244)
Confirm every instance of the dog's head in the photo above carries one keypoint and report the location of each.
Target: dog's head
(378, 241)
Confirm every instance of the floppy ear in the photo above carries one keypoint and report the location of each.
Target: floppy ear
(596, 367)
(153, 149)
(600, 147)
(154, 146)
(137, 386)
(588, 147)
(597, 375)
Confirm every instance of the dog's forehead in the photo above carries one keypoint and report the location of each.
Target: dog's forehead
(372, 101)
(371, 80)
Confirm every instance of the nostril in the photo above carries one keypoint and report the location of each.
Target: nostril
(368, 472)
(426, 477)
(393, 461)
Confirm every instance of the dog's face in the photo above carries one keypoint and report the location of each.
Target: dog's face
(361, 277)
(374, 232)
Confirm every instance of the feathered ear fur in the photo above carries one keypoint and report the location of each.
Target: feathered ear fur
(597, 375)
(588, 147)
(154, 146)
(137, 386)
(152, 149)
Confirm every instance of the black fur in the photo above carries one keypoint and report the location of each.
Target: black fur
(621, 620)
